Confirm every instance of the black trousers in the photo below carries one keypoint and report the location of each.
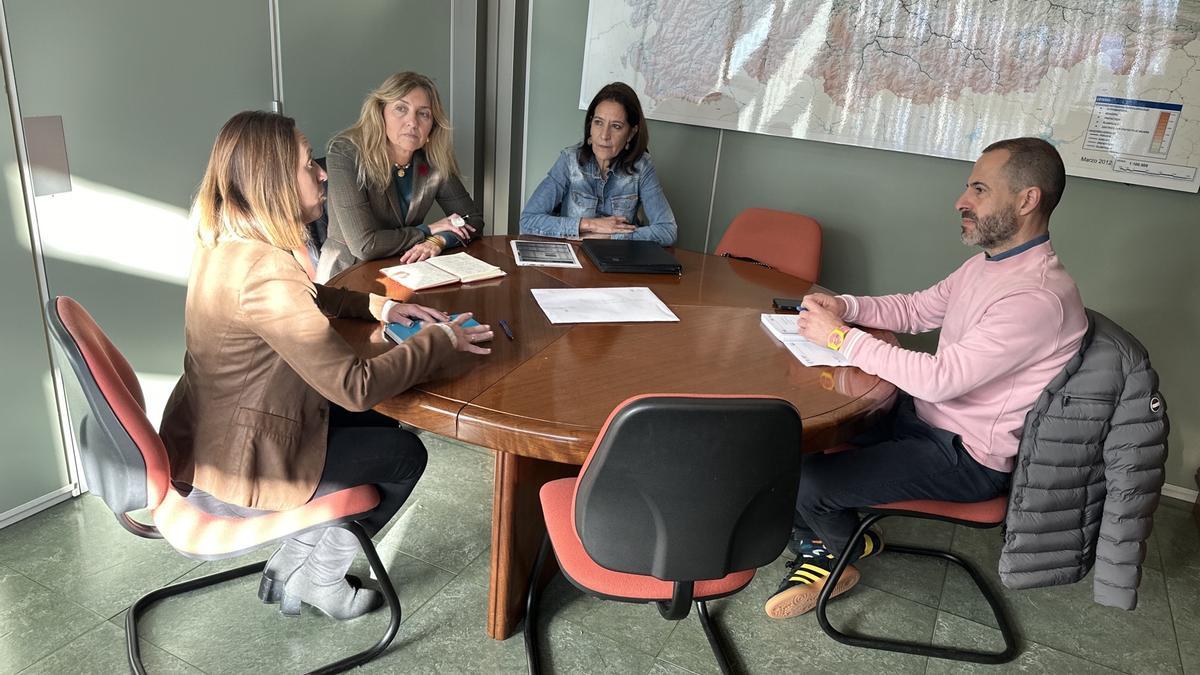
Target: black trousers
(900, 458)
(363, 448)
(369, 448)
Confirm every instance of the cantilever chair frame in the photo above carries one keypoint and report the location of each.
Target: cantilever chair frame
(108, 423)
(776, 433)
(353, 661)
(677, 608)
(874, 515)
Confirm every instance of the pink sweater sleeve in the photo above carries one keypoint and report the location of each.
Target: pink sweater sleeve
(903, 312)
(1008, 336)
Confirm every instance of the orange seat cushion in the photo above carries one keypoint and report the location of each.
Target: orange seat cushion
(990, 512)
(199, 534)
(557, 499)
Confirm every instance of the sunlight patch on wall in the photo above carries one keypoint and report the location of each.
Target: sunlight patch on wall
(101, 226)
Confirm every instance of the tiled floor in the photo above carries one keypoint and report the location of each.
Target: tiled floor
(66, 576)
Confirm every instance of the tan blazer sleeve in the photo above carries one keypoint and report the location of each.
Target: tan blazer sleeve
(343, 303)
(366, 235)
(279, 303)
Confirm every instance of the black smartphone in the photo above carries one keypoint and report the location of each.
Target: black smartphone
(788, 304)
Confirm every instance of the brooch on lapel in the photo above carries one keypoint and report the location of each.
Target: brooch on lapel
(423, 170)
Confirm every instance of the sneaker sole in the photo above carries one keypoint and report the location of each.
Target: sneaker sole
(802, 599)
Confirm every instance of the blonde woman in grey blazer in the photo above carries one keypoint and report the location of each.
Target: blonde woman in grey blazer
(385, 173)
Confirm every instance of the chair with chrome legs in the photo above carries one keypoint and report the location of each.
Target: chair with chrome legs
(680, 500)
(985, 514)
(125, 464)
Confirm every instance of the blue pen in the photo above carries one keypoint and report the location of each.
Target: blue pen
(507, 331)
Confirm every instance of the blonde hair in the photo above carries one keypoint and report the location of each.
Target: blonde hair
(249, 188)
(369, 138)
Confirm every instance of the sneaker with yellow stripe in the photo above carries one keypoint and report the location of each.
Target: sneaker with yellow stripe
(797, 593)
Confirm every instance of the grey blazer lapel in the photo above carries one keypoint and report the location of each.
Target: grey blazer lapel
(390, 193)
(426, 183)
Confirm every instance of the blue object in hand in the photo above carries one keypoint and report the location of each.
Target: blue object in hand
(398, 332)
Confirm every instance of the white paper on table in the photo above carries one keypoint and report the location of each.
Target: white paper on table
(783, 327)
(601, 305)
(811, 354)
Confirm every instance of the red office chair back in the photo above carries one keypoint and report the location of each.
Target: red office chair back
(123, 458)
(788, 242)
(688, 487)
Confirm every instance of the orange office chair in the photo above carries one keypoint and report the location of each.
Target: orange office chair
(126, 466)
(983, 514)
(788, 242)
(680, 500)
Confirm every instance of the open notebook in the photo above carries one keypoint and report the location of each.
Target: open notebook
(442, 270)
(783, 327)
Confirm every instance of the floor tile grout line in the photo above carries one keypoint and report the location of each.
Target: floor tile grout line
(1024, 641)
(1170, 611)
(60, 648)
(584, 629)
(435, 594)
(438, 566)
(686, 670)
(666, 640)
(64, 594)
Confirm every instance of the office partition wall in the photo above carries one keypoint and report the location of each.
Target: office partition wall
(33, 470)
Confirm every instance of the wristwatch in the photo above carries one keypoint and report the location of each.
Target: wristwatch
(837, 338)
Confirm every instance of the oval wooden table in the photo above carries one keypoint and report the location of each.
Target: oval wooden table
(539, 400)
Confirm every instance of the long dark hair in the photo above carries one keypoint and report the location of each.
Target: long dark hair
(623, 94)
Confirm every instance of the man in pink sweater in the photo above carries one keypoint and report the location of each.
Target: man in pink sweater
(1010, 319)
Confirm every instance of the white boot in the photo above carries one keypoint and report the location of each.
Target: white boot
(321, 581)
(283, 562)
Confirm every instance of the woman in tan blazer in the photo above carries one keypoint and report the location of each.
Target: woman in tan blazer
(385, 173)
(260, 419)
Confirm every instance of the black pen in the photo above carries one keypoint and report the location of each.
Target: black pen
(507, 331)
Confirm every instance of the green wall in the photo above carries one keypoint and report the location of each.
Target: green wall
(142, 87)
(32, 462)
(888, 218)
(333, 57)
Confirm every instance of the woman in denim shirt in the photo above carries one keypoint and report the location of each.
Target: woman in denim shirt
(595, 188)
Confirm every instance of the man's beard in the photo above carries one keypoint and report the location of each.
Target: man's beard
(991, 230)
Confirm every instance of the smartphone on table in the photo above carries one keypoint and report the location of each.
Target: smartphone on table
(788, 304)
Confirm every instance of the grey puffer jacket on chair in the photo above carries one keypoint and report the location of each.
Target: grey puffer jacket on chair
(1089, 471)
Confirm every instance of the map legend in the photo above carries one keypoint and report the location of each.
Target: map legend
(1126, 126)
(1158, 142)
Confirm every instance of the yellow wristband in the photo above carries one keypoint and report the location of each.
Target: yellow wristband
(436, 241)
(837, 338)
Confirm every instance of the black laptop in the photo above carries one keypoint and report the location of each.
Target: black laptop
(637, 257)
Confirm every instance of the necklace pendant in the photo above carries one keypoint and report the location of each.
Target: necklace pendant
(400, 171)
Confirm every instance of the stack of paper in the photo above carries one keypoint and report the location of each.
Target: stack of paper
(442, 270)
(601, 305)
(783, 327)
